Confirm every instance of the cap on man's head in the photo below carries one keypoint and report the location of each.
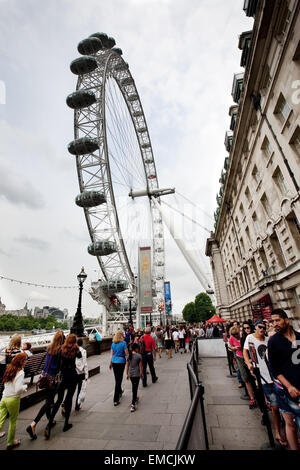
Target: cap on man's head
(259, 322)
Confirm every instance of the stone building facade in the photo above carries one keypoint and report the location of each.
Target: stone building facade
(255, 249)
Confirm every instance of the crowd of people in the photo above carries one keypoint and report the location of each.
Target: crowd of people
(64, 370)
(271, 348)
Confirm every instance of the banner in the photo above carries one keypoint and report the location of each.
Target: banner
(145, 280)
(168, 303)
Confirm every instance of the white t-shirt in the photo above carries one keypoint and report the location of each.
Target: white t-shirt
(175, 335)
(257, 350)
(181, 333)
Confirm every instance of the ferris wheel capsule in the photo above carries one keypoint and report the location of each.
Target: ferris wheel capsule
(102, 248)
(117, 50)
(83, 146)
(83, 65)
(90, 199)
(81, 99)
(102, 36)
(89, 45)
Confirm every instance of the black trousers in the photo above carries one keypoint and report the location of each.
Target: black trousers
(68, 385)
(46, 408)
(118, 369)
(135, 385)
(148, 359)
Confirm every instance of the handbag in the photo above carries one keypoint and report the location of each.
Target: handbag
(82, 393)
(47, 381)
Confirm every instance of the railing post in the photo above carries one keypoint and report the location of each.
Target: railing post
(201, 398)
(264, 410)
(228, 360)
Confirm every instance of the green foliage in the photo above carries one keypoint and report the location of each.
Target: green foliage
(200, 310)
(14, 323)
(189, 313)
(204, 307)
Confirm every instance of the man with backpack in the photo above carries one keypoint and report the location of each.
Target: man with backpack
(148, 351)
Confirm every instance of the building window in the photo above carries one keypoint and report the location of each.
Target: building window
(280, 181)
(294, 226)
(256, 175)
(254, 268)
(282, 108)
(277, 250)
(266, 205)
(248, 233)
(295, 140)
(264, 259)
(242, 210)
(242, 245)
(255, 222)
(248, 195)
(266, 147)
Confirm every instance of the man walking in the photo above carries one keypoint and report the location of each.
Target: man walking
(148, 355)
(256, 346)
(284, 359)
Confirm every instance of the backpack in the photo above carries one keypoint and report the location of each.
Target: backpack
(142, 345)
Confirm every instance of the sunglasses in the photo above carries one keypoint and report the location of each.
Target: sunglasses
(247, 328)
(261, 327)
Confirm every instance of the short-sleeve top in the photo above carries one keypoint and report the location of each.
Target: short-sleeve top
(134, 365)
(235, 342)
(119, 352)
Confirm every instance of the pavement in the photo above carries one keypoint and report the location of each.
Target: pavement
(231, 424)
(158, 420)
(99, 425)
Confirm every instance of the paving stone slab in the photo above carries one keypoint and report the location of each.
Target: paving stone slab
(141, 416)
(133, 445)
(231, 438)
(169, 433)
(138, 432)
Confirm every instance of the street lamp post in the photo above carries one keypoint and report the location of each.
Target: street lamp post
(77, 327)
(130, 297)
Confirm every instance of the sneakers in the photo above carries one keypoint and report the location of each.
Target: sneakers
(116, 403)
(132, 408)
(155, 380)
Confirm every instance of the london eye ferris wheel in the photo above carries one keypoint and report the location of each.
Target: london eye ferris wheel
(115, 164)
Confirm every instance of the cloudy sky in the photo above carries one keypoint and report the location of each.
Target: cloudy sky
(182, 55)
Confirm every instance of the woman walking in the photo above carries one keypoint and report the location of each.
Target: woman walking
(69, 352)
(134, 370)
(14, 386)
(119, 352)
(168, 342)
(159, 336)
(52, 367)
(12, 349)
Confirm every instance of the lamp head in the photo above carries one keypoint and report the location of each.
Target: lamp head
(82, 276)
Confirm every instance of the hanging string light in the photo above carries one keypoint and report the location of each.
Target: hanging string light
(37, 285)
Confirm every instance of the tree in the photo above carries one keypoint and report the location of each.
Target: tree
(204, 307)
(189, 313)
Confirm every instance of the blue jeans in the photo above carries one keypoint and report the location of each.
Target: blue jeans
(286, 405)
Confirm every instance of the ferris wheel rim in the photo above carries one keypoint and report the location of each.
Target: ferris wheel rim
(105, 59)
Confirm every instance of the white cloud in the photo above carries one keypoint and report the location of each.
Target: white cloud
(37, 296)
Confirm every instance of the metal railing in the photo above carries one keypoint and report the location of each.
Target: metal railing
(193, 435)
